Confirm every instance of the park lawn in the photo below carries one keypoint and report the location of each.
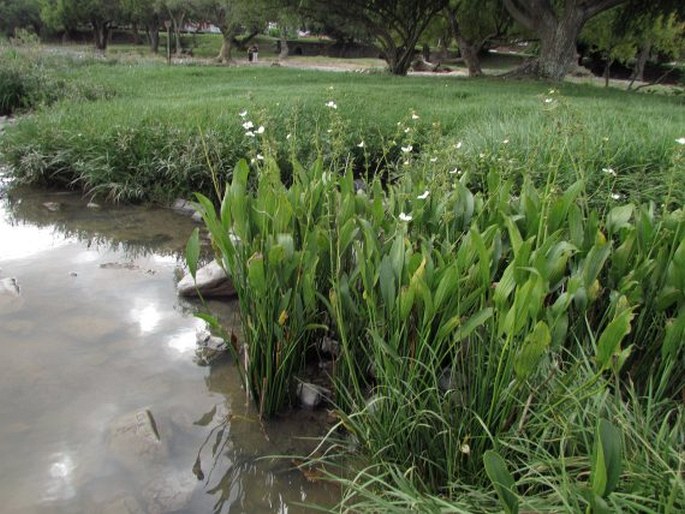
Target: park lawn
(157, 121)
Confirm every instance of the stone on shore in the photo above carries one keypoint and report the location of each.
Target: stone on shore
(211, 281)
(311, 395)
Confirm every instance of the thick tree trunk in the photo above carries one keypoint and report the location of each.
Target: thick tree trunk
(283, 43)
(100, 34)
(558, 47)
(399, 60)
(226, 53)
(153, 37)
(470, 52)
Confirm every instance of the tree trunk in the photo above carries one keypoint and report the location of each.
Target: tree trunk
(226, 53)
(641, 62)
(136, 34)
(100, 34)
(178, 23)
(607, 71)
(558, 47)
(283, 43)
(470, 52)
(153, 37)
(399, 60)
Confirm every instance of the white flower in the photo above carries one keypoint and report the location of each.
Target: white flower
(609, 171)
(331, 104)
(552, 92)
(465, 449)
(505, 142)
(242, 114)
(405, 217)
(680, 140)
(549, 100)
(248, 125)
(616, 196)
(361, 144)
(329, 131)
(330, 88)
(407, 130)
(260, 130)
(434, 159)
(481, 155)
(424, 195)
(260, 157)
(414, 116)
(406, 163)
(249, 133)
(455, 171)
(458, 145)
(407, 149)
(288, 136)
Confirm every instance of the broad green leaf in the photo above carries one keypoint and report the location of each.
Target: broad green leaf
(387, 283)
(594, 262)
(609, 343)
(618, 218)
(502, 481)
(607, 458)
(674, 339)
(534, 347)
(193, 251)
(466, 329)
(448, 284)
(256, 274)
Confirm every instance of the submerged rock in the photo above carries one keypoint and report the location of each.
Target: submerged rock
(210, 280)
(170, 492)
(311, 395)
(135, 441)
(183, 206)
(9, 287)
(52, 206)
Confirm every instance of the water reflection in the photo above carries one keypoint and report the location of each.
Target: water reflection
(97, 334)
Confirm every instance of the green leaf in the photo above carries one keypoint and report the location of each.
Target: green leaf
(193, 251)
(502, 481)
(607, 458)
(619, 217)
(387, 283)
(609, 343)
(467, 328)
(256, 274)
(594, 262)
(674, 339)
(534, 347)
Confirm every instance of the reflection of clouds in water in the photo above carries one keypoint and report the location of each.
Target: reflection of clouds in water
(147, 318)
(164, 259)
(27, 242)
(60, 481)
(185, 340)
(86, 257)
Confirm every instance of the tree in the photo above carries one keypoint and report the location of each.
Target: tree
(67, 14)
(177, 12)
(473, 23)
(396, 25)
(558, 25)
(19, 14)
(230, 16)
(148, 14)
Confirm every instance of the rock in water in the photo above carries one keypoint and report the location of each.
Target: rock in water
(211, 280)
(135, 442)
(9, 287)
(311, 395)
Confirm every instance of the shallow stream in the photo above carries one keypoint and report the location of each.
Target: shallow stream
(104, 405)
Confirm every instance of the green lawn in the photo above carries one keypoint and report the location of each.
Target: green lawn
(156, 114)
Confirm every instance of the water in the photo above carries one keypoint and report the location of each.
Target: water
(96, 337)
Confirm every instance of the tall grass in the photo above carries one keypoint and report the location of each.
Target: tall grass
(508, 310)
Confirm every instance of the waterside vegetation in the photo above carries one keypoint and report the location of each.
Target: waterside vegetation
(501, 265)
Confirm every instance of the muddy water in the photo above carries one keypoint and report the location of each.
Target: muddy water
(96, 336)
